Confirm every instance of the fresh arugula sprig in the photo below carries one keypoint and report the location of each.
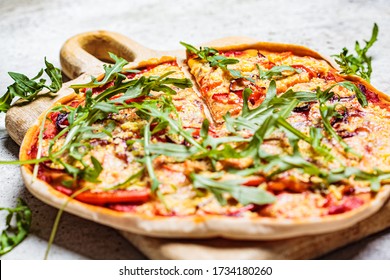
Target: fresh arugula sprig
(328, 111)
(111, 72)
(244, 195)
(18, 222)
(81, 120)
(270, 165)
(27, 89)
(213, 57)
(375, 178)
(360, 63)
(163, 115)
(149, 159)
(276, 72)
(271, 115)
(215, 149)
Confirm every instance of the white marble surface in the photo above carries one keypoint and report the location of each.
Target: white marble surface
(30, 30)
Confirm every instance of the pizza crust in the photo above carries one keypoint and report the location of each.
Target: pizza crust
(209, 226)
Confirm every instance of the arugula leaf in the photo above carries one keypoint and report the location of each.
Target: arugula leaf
(27, 89)
(15, 234)
(153, 111)
(81, 120)
(244, 195)
(375, 178)
(327, 112)
(91, 173)
(359, 94)
(288, 162)
(149, 160)
(55, 76)
(211, 56)
(216, 60)
(111, 72)
(179, 152)
(360, 63)
(192, 49)
(276, 72)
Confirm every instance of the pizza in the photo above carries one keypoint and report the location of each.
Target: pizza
(260, 141)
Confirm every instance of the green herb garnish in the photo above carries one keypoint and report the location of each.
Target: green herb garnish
(276, 72)
(18, 222)
(97, 108)
(360, 63)
(328, 111)
(244, 195)
(213, 57)
(27, 89)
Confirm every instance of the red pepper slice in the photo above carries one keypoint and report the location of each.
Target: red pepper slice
(98, 90)
(50, 131)
(254, 181)
(220, 97)
(117, 196)
(232, 53)
(304, 68)
(257, 95)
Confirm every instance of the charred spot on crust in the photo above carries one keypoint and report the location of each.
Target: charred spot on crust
(260, 55)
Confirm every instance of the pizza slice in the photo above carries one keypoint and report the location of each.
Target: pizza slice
(102, 162)
(222, 75)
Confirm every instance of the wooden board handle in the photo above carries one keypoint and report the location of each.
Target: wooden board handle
(87, 52)
(83, 53)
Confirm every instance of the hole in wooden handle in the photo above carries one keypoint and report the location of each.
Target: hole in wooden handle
(100, 46)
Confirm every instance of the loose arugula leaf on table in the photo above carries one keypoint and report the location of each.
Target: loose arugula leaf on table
(27, 89)
(55, 77)
(18, 222)
(360, 63)
(244, 195)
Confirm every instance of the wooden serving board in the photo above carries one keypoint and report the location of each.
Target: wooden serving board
(84, 55)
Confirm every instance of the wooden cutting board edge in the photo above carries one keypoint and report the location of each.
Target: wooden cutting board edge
(80, 55)
(305, 247)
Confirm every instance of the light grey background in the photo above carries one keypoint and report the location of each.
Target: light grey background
(31, 30)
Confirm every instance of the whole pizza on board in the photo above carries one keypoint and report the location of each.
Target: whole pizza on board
(269, 141)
